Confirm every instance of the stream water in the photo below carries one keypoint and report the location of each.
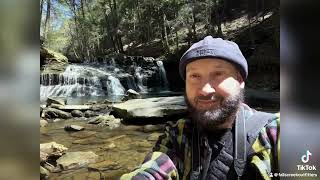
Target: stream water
(120, 150)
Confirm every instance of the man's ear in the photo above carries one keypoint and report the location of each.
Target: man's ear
(240, 80)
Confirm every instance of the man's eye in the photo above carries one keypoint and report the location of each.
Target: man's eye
(195, 76)
(218, 73)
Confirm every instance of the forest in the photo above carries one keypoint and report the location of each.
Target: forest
(87, 29)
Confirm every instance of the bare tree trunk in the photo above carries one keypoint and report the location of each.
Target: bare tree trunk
(218, 18)
(110, 24)
(194, 23)
(177, 39)
(82, 8)
(165, 31)
(250, 26)
(47, 21)
(84, 40)
(210, 29)
(41, 9)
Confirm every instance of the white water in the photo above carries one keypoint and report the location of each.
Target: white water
(163, 76)
(79, 81)
(139, 76)
(97, 79)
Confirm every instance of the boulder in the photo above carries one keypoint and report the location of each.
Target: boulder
(44, 173)
(100, 107)
(55, 113)
(60, 101)
(71, 107)
(89, 113)
(107, 120)
(77, 113)
(41, 108)
(105, 166)
(50, 56)
(160, 107)
(52, 168)
(131, 94)
(52, 149)
(43, 156)
(43, 123)
(73, 128)
(73, 160)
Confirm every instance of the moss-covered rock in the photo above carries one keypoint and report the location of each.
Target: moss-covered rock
(51, 61)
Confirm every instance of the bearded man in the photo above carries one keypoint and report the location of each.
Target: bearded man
(223, 138)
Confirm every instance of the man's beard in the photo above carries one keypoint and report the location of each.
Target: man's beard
(211, 119)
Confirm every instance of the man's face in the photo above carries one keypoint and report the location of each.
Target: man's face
(213, 91)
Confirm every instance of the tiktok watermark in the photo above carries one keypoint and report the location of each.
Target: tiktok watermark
(305, 159)
(304, 170)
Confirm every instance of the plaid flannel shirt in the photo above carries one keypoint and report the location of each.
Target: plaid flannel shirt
(171, 156)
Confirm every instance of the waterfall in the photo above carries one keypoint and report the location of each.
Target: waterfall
(79, 81)
(163, 76)
(139, 76)
(114, 86)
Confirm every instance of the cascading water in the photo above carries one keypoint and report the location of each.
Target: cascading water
(105, 78)
(79, 81)
(163, 76)
(139, 76)
(114, 86)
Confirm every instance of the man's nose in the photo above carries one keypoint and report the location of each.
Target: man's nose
(207, 89)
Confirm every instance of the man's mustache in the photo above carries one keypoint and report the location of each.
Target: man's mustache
(208, 98)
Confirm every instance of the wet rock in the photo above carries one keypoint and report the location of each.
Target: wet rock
(73, 160)
(159, 107)
(57, 120)
(77, 113)
(43, 123)
(100, 107)
(73, 128)
(105, 165)
(43, 156)
(111, 146)
(51, 168)
(44, 173)
(105, 120)
(71, 107)
(41, 109)
(89, 113)
(154, 136)
(151, 128)
(60, 101)
(91, 102)
(131, 94)
(53, 149)
(55, 113)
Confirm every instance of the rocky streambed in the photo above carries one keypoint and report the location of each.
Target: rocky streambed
(101, 140)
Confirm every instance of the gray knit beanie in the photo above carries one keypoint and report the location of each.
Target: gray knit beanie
(217, 48)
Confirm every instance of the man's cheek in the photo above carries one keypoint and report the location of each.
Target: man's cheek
(229, 87)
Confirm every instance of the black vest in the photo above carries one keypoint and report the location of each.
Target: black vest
(213, 158)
